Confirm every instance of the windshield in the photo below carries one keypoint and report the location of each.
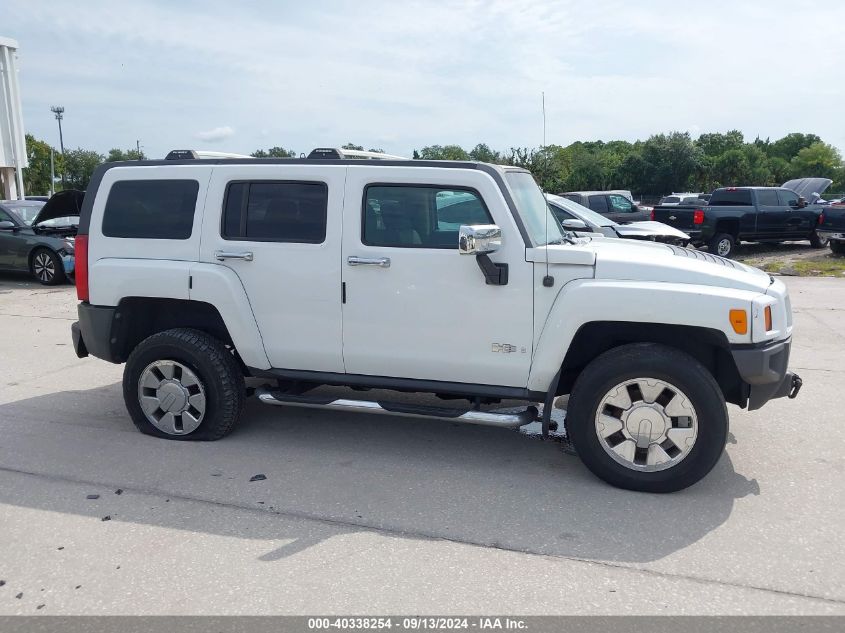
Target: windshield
(583, 213)
(25, 212)
(533, 208)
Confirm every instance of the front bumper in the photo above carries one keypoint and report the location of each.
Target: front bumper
(764, 369)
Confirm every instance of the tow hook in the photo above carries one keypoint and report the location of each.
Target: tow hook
(797, 383)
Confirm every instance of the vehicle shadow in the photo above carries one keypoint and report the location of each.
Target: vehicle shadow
(352, 472)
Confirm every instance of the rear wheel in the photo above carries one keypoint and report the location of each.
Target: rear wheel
(722, 244)
(817, 241)
(183, 384)
(837, 247)
(647, 417)
(46, 267)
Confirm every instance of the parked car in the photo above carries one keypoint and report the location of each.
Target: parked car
(832, 226)
(754, 214)
(39, 237)
(581, 220)
(308, 272)
(678, 198)
(612, 204)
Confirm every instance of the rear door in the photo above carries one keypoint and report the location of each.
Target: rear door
(278, 227)
(414, 307)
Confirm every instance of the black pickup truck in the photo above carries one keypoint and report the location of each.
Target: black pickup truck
(753, 214)
(832, 227)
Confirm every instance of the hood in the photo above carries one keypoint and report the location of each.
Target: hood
(654, 262)
(649, 229)
(806, 187)
(62, 205)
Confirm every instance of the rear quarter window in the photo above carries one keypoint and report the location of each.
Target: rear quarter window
(151, 209)
(731, 198)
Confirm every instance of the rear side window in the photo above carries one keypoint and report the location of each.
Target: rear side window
(598, 203)
(670, 199)
(151, 209)
(767, 197)
(731, 198)
(263, 211)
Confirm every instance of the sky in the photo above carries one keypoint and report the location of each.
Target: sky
(238, 76)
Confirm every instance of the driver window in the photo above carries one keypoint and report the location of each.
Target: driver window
(620, 204)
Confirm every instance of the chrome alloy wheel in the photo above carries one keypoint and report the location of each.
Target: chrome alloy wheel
(723, 248)
(646, 424)
(172, 397)
(44, 267)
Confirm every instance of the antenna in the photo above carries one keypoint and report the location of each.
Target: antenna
(548, 280)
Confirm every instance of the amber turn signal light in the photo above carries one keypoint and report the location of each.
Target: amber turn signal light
(767, 314)
(739, 321)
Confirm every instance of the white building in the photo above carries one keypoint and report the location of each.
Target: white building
(12, 142)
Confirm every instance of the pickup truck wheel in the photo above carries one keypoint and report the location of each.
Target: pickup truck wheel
(816, 241)
(722, 244)
(837, 247)
(647, 417)
(183, 384)
(46, 267)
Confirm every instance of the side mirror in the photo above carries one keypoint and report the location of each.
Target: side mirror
(574, 225)
(6, 225)
(479, 239)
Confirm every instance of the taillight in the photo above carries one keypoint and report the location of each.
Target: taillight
(81, 265)
(821, 217)
(652, 214)
(698, 216)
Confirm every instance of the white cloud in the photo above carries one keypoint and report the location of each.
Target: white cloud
(215, 135)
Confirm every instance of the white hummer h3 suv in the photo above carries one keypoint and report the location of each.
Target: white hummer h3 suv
(438, 277)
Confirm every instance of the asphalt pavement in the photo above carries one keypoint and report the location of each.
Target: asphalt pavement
(382, 515)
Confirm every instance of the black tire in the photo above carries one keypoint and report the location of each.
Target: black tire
(648, 360)
(816, 241)
(46, 267)
(837, 247)
(724, 242)
(214, 365)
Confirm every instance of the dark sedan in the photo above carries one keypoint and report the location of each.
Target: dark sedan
(39, 237)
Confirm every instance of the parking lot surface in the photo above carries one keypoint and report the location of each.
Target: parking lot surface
(374, 514)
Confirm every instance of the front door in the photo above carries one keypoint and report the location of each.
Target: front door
(799, 221)
(771, 215)
(280, 232)
(414, 307)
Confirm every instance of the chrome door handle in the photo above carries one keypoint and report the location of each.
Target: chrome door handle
(381, 262)
(221, 255)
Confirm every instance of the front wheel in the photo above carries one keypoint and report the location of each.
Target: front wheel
(647, 417)
(837, 247)
(817, 241)
(723, 245)
(46, 267)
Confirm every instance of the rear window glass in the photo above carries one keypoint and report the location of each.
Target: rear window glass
(598, 203)
(276, 212)
(670, 199)
(151, 209)
(731, 198)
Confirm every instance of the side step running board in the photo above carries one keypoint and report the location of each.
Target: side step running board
(505, 420)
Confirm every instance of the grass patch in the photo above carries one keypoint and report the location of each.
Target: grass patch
(829, 266)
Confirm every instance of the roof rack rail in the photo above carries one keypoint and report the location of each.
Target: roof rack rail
(193, 154)
(334, 153)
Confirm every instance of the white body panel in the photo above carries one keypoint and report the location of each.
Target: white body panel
(294, 289)
(430, 315)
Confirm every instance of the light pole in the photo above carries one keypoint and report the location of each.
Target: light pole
(59, 112)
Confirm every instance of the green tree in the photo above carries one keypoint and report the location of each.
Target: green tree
(274, 152)
(716, 144)
(360, 148)
(116, 155)
(484, 154)
(36, 177)
(789, 146)
(819, 159)
(79, 166)
(443, 152)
